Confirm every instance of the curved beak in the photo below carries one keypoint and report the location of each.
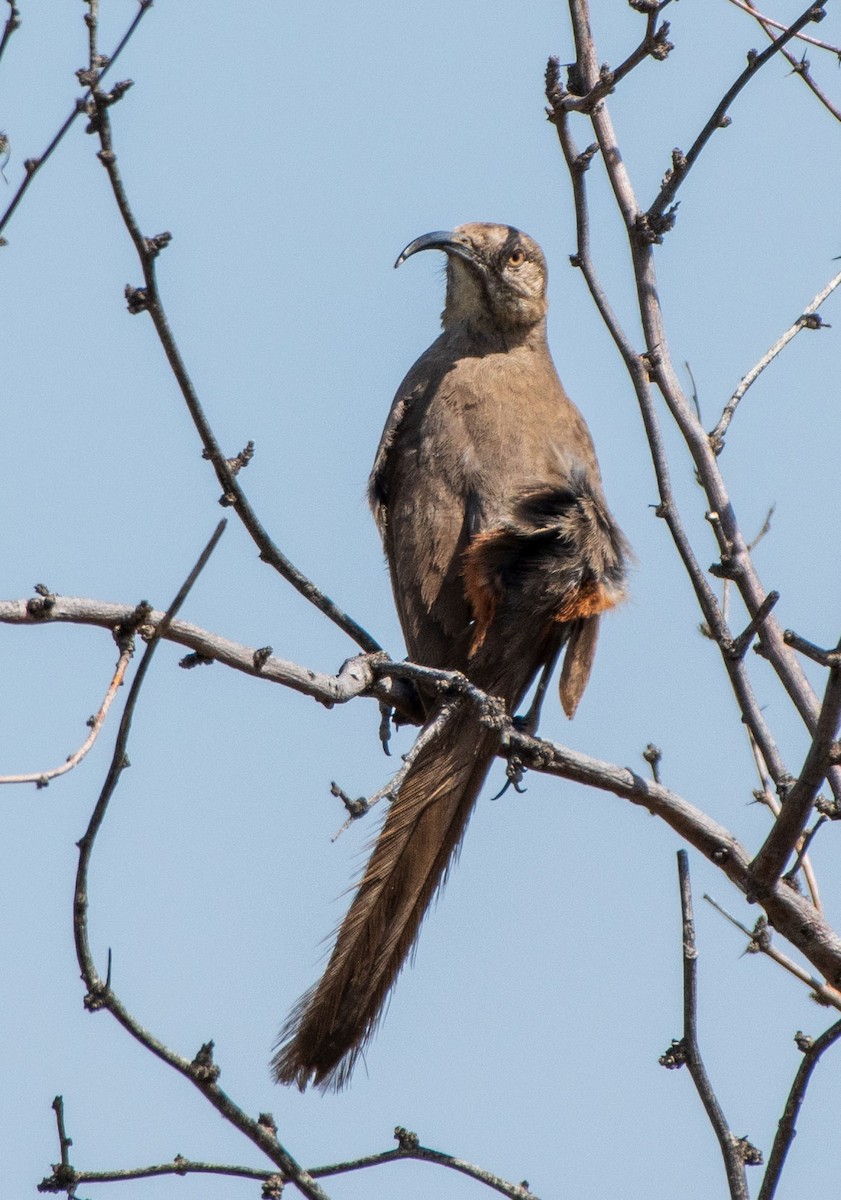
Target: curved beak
(442, 239)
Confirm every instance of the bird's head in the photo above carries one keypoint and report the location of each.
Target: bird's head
(496, 277)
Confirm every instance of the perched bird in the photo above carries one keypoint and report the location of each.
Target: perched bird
(501, 548)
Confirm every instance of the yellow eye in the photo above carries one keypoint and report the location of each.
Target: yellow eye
(516, 258)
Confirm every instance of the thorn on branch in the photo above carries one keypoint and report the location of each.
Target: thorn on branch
(137, 624)
(653, 755)
(831, 809)
(205, 1069)
(760, 938)
(267, 1121)
(407, 1142)
(650, 227)
(659, 47)
(261, 657)
(155, 244)
(747, 1152)
(41, 605)
(355, 808)
(241, 460)
(583, 160)
(675, 1057)
(137, 299)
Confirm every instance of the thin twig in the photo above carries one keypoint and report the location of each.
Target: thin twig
(355, 677)
(787, 1127)
(680, 169)
(799, 66)
(33, 165)
(639, 370)
(409, 1147)
(736, 562)
(731, 1147)
(765, 796)
(201, 1071)
(42, 778)
(759, 942)
(748, 7)
(148, 299)
(770, 862)
(807, 320)
(12, 23)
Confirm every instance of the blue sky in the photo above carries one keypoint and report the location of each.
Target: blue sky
(293, 153)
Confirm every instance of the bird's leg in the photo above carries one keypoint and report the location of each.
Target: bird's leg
(529, 721)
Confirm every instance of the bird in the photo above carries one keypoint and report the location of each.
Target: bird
(501, 549)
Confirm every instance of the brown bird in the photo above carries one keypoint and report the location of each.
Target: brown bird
(501, 549)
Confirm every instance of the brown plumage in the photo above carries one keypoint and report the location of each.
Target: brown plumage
(501, 548)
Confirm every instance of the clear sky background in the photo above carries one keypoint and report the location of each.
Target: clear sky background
(293, 151)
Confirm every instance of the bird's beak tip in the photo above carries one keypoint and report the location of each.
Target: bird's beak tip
(441, 239)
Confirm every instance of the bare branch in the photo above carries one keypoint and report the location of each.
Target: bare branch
(355, 677)
(769, 863)
(42, 778)
(732, 1149)
(759, 942)
(749, 7)
(639, 368)
(12, 23)
(409, 1147)
(33, 165)
(201, 1071)
(807, 320)
(787, 1128)
(799, 66)
(148, 299)
(674, 178)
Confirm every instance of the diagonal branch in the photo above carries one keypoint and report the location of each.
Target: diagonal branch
(736, 562)
(355, 678)
(148, 299)
(202, 1072)
(807, 320)
(718, 119)
(732, 1149)
(95, 723)
(787, 830)
(12, 23)
(787, 1128)
(33, 165)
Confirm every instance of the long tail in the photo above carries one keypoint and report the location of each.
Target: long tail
(329, 1027)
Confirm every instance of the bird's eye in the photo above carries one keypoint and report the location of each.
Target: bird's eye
(516, 258)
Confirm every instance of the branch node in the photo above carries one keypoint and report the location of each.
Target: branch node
(155, 244)
(675, 1057)
(41, 605)
(653, 755)
(261, 657)
(205, 1069)
(241, 460)
(267, 1121)
(747, 1152)
(407, 1142)
(137, 299)
(356, 808)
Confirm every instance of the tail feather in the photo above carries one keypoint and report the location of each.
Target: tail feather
(327, 1031)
